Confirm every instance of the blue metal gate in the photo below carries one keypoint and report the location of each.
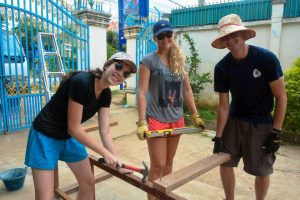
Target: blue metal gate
(21, 90)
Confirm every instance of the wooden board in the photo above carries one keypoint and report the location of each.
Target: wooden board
(98, 178)
(94, 127)
(172, 181)
(136, 181)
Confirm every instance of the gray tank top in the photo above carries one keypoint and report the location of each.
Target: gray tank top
(165, 92)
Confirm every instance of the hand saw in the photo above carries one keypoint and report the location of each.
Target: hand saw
(174, 131)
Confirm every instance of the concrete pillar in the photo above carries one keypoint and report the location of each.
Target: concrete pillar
(201, 2)
(131, 34)
(98, 23)
(276, 26)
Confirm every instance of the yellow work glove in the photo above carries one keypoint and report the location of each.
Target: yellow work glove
(198, 121)
(141, 128)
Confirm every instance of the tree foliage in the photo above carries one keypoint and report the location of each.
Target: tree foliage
(198, 81)
(292, 118)
(112, 43)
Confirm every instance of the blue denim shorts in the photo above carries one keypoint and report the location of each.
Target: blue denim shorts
(43, 152)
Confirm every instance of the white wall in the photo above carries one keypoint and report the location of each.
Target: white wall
(131, 49)
(290, 44)
(98, 47)
(204, 35)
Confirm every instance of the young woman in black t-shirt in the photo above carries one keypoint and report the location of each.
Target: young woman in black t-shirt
(57, 134)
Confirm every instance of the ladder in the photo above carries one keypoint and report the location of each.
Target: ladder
(53, 51)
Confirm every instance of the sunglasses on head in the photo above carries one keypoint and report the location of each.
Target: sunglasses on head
(168, 34)
(119, 67)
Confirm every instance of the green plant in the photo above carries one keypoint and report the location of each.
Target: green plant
(292, 117)
(198, 81)
(112, 41)
(111, 50)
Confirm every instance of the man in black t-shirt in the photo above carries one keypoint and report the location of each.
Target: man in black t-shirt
(245, 127)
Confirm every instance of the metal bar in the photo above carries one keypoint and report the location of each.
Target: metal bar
(170, 132)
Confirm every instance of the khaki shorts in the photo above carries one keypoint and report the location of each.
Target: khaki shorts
(244, 140)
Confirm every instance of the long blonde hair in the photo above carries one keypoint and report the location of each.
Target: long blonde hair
(176, 60)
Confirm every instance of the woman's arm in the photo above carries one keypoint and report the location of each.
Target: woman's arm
(188, 95)
(76, 130)
(103, 122)
(144, 76)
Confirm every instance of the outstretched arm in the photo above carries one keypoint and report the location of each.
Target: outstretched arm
(278, 90)
(144, 76)
(223, 110)
(76, 130)
(103, 122)
(188, 95)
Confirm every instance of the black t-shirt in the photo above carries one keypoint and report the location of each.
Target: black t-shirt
(52, 120)
(248, 82)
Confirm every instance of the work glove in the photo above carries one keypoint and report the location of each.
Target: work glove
(198, 121)
(141, 129)
(219, 145)
(271, 144)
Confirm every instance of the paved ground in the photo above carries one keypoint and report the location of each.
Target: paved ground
(284, 182)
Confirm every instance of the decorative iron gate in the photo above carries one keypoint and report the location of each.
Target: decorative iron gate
(144, 44)
(21, 90)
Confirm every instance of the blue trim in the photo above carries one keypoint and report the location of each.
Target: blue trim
(248, 10)
(19, 108)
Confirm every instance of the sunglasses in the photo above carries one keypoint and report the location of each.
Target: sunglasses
(230, 36)
(162, 36)
(119, 67)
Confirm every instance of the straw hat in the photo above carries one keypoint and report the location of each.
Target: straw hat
(230, 24)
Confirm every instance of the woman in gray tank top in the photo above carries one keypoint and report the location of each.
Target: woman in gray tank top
(162, 87)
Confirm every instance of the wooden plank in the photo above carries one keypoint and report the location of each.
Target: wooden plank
(184, 175)
(62, 194)
(98, 178)
(136, 181)
(94, 127)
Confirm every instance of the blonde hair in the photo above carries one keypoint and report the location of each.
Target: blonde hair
(176, 60)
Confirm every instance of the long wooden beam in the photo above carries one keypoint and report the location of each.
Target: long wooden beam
(136, 181)
(172, 181)
(75, 187)
(95, 127)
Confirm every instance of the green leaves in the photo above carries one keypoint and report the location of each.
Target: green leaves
(198, 81)
(292, 78)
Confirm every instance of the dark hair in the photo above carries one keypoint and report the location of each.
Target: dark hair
(97, 72)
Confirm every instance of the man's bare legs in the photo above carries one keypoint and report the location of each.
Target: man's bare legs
(261, 187)
(228, 181)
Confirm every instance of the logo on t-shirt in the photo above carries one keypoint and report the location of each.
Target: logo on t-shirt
(170, 95)
(256, 73)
